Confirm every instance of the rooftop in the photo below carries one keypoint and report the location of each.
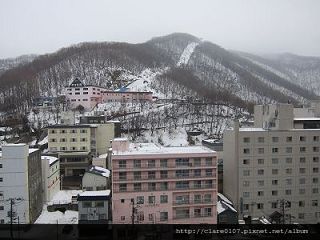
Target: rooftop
(99, 170)
(151, 148)
(94, 195)
(307, 119)
(50, 159)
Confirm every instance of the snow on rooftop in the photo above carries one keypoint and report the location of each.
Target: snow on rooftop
(95, 193)
(307, 119)
(223, 198)
(152, 148)
(100, 170)
(252, 129)
(69, 217)
(31, 150)
(43, 141)
(49, 158)
(64, 196)
(120, 139)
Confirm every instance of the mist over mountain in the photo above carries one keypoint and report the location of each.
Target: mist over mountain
(193, 68)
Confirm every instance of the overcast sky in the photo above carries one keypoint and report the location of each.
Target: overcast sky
(257, 26)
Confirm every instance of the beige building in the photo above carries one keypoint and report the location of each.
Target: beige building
(275, 163)
(94, 138)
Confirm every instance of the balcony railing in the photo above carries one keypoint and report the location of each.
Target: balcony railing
(162, 177)
(169, 166)
(191, 202)
(170, 188)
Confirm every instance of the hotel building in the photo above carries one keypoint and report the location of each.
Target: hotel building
(153, 184)
(274, 164)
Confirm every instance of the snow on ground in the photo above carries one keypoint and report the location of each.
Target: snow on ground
(175, 138)
(64, 196)
(186, 54)
(69, 217)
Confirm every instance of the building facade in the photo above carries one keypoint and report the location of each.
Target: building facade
(20, 184)
(152, 184)
(274, 164)
(96, 179)
(50, 177)
(94, 207)
(127, 96)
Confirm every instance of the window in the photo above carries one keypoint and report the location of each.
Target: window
(302, 170)
(315, 159)
(182, 173)
(302, 138)
(182, 213)
(151, 186)
(246, 161)
(208, 161)
(197, 172)
(246, 207)
(259, 205)
(302, 160)
(137, 163)
(83, 130)
(289, 160)
(122, 187)
(288, 149)
(302, 149)
(197, 162)
(163, 163)
(163, 186)
(140, 199)
(302, 191)
(151, 175)
(182, 185)
(207, 212)
(182, 162)
(316, 138)
(260, 139)
(1, 196)
(288, 191)
(99, 204)
(73, 131)
(122, 200)
(53, 140)
(275, 171)
(163, 198)
(246, 172)
(246, 139)
(1, 208)
(122, 176)
(1, 179)
(207, 198)
(151, 199)
(315, 149)
(197, 212)
(260, 161)
(315, 190)
(246, 194)
(301, 203)
(87, 204)
(137, 186)
(246, 183)
(261, 150)
(274, 193)
(0, 165)
(260, 193)
(163, 174)
(150, 217)
(151, 163)
(136, 175)
(275, 160)
(246, 150)
(122, 164)
(314, 203)
(52, 131)
(274, 182)
(288, 170)
(260, 171)
(261, 183)
(197, 198)
(274, 205)
(275, 150)
(275, 139)
(83, 216)
(163, 216)
(315, 170)
(301, 215)
(289, 181)
(289, 139)
(123, 218)
(208, 172)
(315, 180)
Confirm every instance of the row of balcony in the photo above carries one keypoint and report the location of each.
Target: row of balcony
(168, 188)
(169, 165)
(162, 177)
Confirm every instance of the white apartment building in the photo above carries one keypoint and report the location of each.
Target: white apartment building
(50, 177)
(276, 161)
(20, 184)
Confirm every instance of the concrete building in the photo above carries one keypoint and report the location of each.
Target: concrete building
(226, 212)
(93, 138)
(94, 207)
(126, 96)
(274, 164)
(163, 184)
(50, 177)
(20, 184)
(96, 179)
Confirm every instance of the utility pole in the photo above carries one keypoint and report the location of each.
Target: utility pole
(11, 216)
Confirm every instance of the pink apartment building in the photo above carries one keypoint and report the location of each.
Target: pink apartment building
(170, 185)
(77, 93)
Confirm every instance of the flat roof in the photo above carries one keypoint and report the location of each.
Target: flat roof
(72, 126)
(51, 159)
(151, 148)
(102, 195)
(307, 119)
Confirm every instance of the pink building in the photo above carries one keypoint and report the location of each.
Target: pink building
(171, 185)
(126, 96)
(88, 96)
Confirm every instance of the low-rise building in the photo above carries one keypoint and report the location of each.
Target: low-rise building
(94, 207)
(20, 184)
(226, 212)
(96, 178)
(154, 184)
(50, 177)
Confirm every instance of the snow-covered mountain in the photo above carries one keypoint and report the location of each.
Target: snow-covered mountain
(175, 66)
(9, 63)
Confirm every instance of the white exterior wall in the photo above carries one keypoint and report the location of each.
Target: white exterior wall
(14, 172)
(92, 213)
(51, 179)
(94, 181)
